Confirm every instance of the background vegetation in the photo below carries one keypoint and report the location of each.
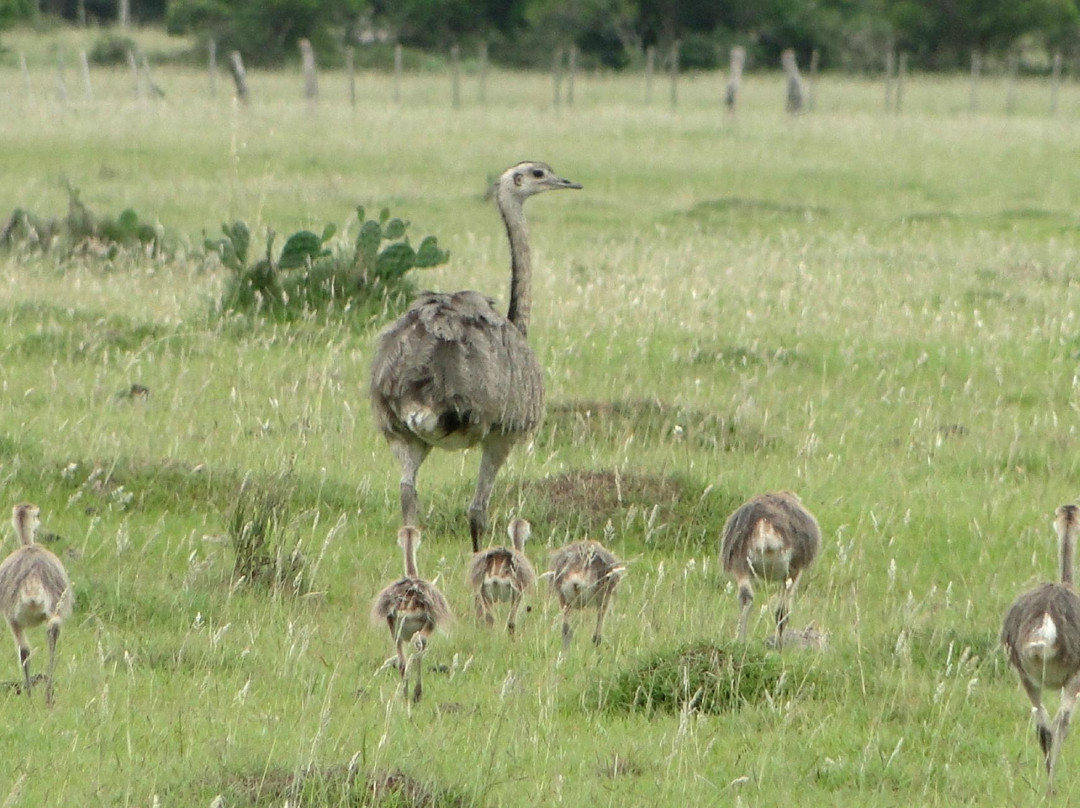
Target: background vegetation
(847, 34)
(877, 311)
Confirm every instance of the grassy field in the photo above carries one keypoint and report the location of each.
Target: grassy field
(876, 311)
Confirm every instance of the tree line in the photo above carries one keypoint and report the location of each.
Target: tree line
(850, 35)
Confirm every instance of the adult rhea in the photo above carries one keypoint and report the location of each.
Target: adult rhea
(454, 373)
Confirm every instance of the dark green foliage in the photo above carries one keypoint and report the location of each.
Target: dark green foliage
(701, 677)
(266, 34)
(82, 232)
(310, 276)
(112, 49)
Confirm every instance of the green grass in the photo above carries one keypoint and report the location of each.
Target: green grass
(875, 311)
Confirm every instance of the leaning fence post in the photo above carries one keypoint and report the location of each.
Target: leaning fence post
(890, 67)
(133, 66)
(236, 67)
(61, 83)
(84, 64)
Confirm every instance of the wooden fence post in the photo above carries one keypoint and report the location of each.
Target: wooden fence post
(1055, 83)
(350, 70)
(84, 64)
(236, 67)
(815, 61)
(556, 75)
(650, 68)
(890, 67)
(25, 75)
(133, 66)
(976, 69)
(212, 68)
(673, 65)
(796, 91)
(311, 78)
(397, 73)
(1013, 67)
(901, 75)
(455, 76)
(734, 82)
(571, 74)
(61, 83)
(483, 71)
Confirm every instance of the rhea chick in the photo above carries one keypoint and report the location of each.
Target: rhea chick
(1041, 634)
(771, 537)
(584, 575)
(34, 589)
(412, 608)
(503, 574)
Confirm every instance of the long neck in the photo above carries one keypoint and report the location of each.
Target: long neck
(410, 558)
(513, 214)
(24, 526)
(1067, 541)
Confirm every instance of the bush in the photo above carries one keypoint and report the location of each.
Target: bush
(701, 677)
(308, 276)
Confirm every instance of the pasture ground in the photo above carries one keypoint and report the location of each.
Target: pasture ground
(876, 311)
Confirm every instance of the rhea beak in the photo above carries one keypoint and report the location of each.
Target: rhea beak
(559, 182)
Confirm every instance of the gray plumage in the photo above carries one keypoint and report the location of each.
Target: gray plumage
(503, 574)
(34, 589)
(412, 608)
(771, 537)
(455, 373)
(1041, 634)
(584, 575)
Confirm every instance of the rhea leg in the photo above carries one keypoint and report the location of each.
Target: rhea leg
(54, 635)
(483, 608)
(1043, 729)
(783, 609)
(567, 631)
(495, 451)
(746, 600)
(418, 660)
(24, 653)
(515, 604)
(601, 613)
(410, 455)
(1060, 731)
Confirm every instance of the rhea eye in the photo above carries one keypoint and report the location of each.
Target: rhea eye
(538, 172)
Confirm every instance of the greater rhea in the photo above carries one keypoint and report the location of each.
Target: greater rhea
(453, 372)
(412, 608)
(34, 589)
(771, 537)
(584, 574)
(1041, 634)
(503, 574)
